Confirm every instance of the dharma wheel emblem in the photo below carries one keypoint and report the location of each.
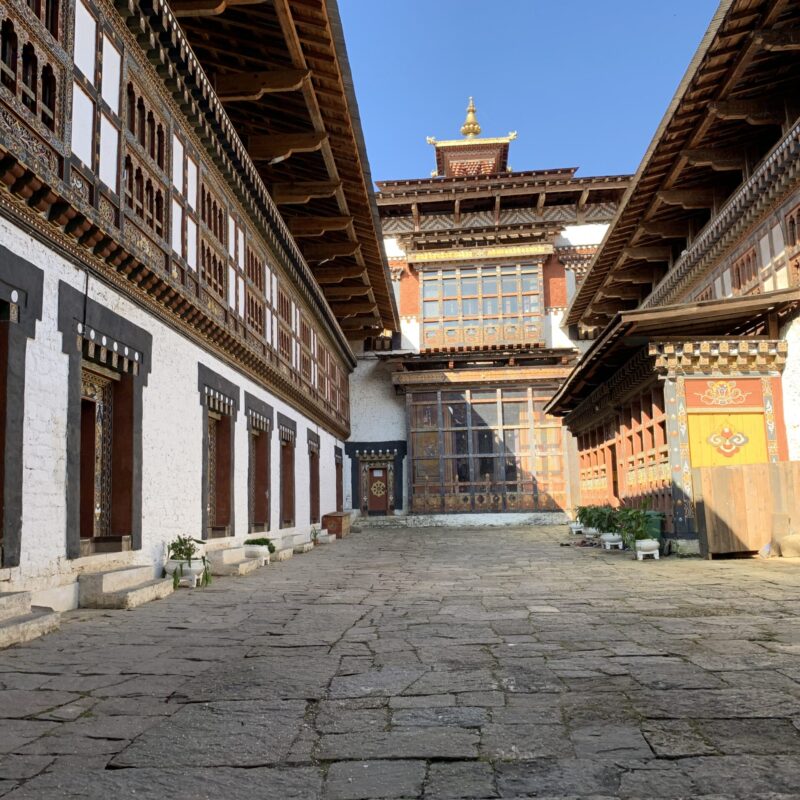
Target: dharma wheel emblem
(378, 488)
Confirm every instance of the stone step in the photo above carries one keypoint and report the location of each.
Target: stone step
(326, 538)
(298, 539)
(96, 584)
(132, 598)
(14, 604)
(304, 548)
(243, 567)
(227, 555)
(23, 628)
(283, 555)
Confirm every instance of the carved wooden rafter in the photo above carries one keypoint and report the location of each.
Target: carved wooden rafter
(720, 159)
(754, 112)
(653, 253)
(207, 8)
(327, 251)
(352, 309)
(318, 226)
(688, 198)
(234, 86)
(280, 147)
(346, 292)
(338, 274)
(301, 193)
(780, 40)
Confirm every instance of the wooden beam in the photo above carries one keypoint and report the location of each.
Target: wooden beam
(754, 112)
(687, 198)
(207, 8)
(669, 229)
(339, 274)
(232, 86)
(299, 193)
(778, 40)
(642, 273)
(720, 159)
(610, 308)
(279, 147)
(625, 292)
(540, 203)
(655, 253)
(326, 251)
(344, 310)
(317, 226)
(345, 292)
(360, 322)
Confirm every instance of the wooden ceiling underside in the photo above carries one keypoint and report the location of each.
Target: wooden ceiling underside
(733, 106)
(279, 68)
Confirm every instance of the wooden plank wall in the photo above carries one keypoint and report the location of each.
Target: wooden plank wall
(735, 504)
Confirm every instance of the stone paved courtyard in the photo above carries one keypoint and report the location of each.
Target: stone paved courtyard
(431, 663)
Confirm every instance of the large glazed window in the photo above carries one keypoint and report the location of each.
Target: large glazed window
(485, 450)
(481, 305)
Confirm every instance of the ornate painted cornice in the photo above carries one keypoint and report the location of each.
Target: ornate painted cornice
(728, 356)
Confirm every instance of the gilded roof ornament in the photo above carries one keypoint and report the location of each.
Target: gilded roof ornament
(470, 129)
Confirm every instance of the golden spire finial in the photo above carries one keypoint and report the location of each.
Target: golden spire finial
(470, 128)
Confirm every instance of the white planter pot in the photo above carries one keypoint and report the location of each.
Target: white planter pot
(575, 527)
(259, 551)
(610, 540)
(189, 572)
(590, 533)
(647, 547)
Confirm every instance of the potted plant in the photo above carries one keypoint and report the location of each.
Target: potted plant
(608, 523)
(634, 525)
(587, 516)
(314, 535)
(260, 548)
(577, 526)
(186, 560)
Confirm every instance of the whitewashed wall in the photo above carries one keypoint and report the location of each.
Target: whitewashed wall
(172, 429)
(791, 388)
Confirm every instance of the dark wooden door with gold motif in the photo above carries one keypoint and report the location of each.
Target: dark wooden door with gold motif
(378, 492)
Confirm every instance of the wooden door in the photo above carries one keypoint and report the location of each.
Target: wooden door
(339, 487)
(287, 484)
(378, 491)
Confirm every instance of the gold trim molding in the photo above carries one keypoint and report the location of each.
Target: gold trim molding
(476, 253)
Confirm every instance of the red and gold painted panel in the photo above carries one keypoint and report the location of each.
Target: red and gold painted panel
(733, 421)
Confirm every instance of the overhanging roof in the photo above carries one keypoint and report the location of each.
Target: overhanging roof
(631, 330)
(726, 115)
(280, 68)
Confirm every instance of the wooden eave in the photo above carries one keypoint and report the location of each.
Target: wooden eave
(512, 184)
(302, 36)
(703, 149)
(629, 331)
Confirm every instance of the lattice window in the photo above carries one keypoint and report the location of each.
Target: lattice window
(27, 73)
(212, 270)
(745, 272)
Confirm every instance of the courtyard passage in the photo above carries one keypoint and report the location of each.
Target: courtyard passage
(427, 663)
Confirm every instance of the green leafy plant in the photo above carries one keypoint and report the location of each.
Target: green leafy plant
(184, 549)
(633, 525)
(314, 534)
(262, 542)
(607, 519)
(603, 518)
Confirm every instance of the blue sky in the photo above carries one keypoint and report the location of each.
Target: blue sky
(584, 83)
